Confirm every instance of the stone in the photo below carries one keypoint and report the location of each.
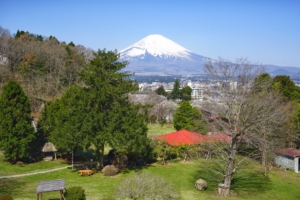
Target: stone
(201, 184)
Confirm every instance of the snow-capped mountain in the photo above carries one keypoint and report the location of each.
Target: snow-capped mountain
(157, 55)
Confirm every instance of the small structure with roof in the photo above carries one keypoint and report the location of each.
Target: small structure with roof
(288, 158)
(49, 151)
(50, 186)
(182, 137)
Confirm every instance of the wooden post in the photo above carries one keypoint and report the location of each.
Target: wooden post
(37, 196)
(60, 194)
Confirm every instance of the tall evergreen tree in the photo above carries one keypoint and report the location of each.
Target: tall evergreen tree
(16, 132)
(186, 93)
(107, 88)
(189, 118)
(176, 93)
(161, 91)
(284, 85)
(63, 120)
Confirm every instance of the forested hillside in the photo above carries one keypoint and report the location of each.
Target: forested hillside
(44, 66)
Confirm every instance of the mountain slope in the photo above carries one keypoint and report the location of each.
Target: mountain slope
(157, 55)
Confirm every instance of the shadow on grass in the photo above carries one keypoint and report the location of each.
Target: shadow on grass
(9, 186)
(208, 172)
(135, 169)
(244, 183)
(250, 183)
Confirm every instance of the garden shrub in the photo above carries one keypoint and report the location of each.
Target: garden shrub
(110, 170)
(146, 186)
(6, 197)
(75, 193)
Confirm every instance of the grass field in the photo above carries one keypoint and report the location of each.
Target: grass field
(248, 184)
(156, 129)
(9, 169)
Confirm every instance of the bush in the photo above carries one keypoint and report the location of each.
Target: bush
(6, 197)
(146, 186)
(75, 193)
(110, 170)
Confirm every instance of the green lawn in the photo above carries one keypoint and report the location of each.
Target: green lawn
(9, 169)
(157, 129)
(249, 184)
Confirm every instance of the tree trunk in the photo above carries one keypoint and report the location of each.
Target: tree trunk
(72, 159)
(230, 167)
(99, 155)
(264, 155)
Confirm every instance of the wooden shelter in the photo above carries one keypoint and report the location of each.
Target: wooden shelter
(49, 149)
(50, 186)
(288, 158)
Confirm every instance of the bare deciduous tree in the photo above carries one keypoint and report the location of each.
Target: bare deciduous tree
(242, 115)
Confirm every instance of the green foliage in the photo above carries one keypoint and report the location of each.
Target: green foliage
(161, 91)
(129, 130)
(262, 83)
(162, 150)
(16, 132)
(189, 118)
(186, 93)
(109, 117)
(284, 85)
(146, 185)
(199, 122)
(35, 37)
(63, 119)
(183, 116)
(176, 93)
(75, 193)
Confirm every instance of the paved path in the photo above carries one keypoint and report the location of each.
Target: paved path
(33, 173)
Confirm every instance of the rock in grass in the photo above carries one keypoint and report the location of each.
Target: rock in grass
(201, 184)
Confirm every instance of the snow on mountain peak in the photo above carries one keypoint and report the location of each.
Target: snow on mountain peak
(156, 45)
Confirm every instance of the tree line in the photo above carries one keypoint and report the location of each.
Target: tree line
(96, 112)
(44, 66)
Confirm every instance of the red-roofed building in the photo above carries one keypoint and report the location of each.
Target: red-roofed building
(218, 137)
(288, 158)
(182, 137)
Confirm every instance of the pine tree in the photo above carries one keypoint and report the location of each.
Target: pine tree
(16, 132)
(107, 92)
(186, 93)
(176, 93)
(161, 91)
(189, 118)
(65, 118)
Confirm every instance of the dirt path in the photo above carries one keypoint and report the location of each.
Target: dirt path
(33, 173)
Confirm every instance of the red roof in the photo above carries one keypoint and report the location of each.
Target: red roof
(186, 137)
(289, 152)
(218, 137)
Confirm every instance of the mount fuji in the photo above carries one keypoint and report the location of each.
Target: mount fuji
(157, 55)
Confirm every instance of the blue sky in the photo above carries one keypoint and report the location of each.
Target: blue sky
(264, 31)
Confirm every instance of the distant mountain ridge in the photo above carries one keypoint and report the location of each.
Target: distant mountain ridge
(157, 55)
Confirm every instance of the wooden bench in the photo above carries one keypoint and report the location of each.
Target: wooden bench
(85, 171)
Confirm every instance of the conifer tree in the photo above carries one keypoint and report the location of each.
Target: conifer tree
(107, 92)
(16, 132)
(189, 118)
(176, 93)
